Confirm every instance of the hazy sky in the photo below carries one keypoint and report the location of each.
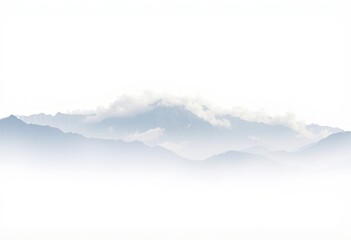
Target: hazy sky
(280, 56)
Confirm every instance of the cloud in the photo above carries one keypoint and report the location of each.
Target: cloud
(324, 133)
(199, 107)
(288, 120)
(130, 105)
(124, 106)
(206, 113)
(148, 137)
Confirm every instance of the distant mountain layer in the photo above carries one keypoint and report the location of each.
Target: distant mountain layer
(334, 144)
(180, 130)
(17, 137)
(30, 140)
(330, 152)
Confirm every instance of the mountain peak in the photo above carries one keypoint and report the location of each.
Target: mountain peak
(11, 118)
(11, 122)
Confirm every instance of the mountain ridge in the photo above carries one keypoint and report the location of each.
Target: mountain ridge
(16, 135)
(181, 130)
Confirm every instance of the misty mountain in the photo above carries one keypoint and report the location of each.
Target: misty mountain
(333, 145)
(317, 129)
(177, 121)
(257, 150)
(332, 152)
(234, 157)
(30, 141)
(14, 130)
(182, 131)
(329, 152)
(20, 138)
(65, 122)
(235, 161)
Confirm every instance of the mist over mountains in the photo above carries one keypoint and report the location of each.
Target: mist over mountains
(192, 132)
(49, 144)
(169, 134)
(45, 142)
(80, 170)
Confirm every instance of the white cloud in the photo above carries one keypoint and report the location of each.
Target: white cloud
(199, 107)
(148, 137)
(289, 120)
(129, 105)
(324, 133)
(125, 105)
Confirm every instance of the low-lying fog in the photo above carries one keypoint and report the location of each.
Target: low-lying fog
(56, 202)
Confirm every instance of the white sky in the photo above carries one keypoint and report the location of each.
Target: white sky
(280, 56)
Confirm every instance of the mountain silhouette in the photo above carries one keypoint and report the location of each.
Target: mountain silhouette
(335, 144)
(182, 131)
(17, 136)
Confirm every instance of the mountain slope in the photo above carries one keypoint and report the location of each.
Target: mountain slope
(239, 161)
(180, 130)
(329, 152)
(335, 144)
(17, 137)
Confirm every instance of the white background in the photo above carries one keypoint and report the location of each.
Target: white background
(279, 56)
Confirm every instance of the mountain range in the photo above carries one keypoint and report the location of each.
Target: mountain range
(17, 136)
(31, 141)
(182, 131)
